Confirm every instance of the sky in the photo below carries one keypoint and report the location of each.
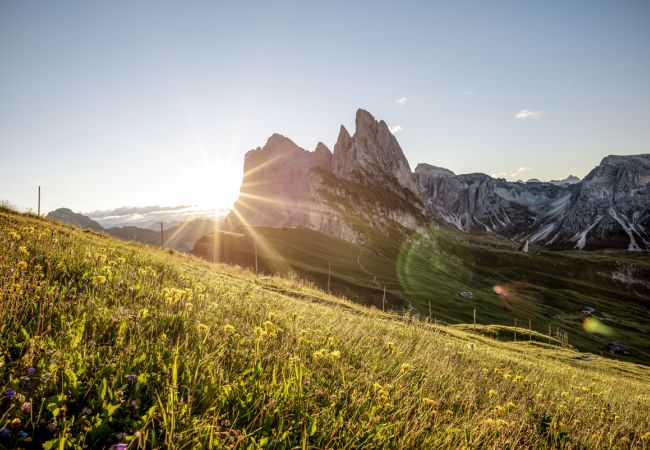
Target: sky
(115, 104)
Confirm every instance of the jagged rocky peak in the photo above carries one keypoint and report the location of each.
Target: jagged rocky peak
(372, 153)
(428, 169)
(280, 151)
(631, 171)
(571, 179)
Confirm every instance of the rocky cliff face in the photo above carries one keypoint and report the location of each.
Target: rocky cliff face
(367, 183)
(610, 208)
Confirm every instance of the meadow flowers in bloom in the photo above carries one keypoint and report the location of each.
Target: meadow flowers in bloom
(98, 279)
(492, 393)
(229, 329)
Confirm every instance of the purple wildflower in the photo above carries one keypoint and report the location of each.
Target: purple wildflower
(23, 435)
(133, 377)
(4, 433)
(120, 446)
(10, 393)
(31, 371)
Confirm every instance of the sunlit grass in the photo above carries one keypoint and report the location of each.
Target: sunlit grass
(107, 343)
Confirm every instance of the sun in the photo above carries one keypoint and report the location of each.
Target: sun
(211, 183)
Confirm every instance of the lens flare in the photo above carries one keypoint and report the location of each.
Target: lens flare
(594, 326)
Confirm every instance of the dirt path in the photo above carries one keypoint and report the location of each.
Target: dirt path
(370, 274)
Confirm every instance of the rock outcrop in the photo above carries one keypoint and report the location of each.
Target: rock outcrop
(610, 208)
(366, 183)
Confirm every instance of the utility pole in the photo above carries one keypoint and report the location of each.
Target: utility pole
(39, 201)
(429, 310)
(255, 255)
(515, 330)
(549, 333)
(474, 318)
(383, 300)
(329, 276)
(162, 238)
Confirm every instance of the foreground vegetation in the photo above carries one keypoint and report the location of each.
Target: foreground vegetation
(106, 343)
(425, 274)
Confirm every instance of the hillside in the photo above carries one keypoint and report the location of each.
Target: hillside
(108, 342)
(180, 237)
(425, 274)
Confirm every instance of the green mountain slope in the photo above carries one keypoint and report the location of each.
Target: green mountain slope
(425, 275)
(106, 342)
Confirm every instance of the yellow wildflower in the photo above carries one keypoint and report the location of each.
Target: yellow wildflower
(229, 329)
(492, 393)
(23, 250)
(511, 406)
(405, 367)
(22, 265)
(428, 401)
(99, 279)
(335, 354)
(202, 328)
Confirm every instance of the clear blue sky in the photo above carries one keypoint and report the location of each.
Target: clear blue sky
(108, 104)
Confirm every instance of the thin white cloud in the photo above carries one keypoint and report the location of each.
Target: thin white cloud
(513, 175)
(530, 114)
(468, 92)
(396, 129)
(402, 101)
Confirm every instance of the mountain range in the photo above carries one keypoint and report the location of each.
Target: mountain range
(367, 181)
(181, 237)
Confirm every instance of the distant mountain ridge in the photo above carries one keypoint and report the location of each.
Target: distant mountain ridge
(180, 237)
(366, 182)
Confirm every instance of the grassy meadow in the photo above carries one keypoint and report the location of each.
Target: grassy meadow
(425, 274)
(111, 344)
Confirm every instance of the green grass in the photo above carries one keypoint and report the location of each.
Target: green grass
(107, 342)
(426, 273)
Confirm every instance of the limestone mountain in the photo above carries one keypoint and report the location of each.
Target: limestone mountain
(366, 184)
